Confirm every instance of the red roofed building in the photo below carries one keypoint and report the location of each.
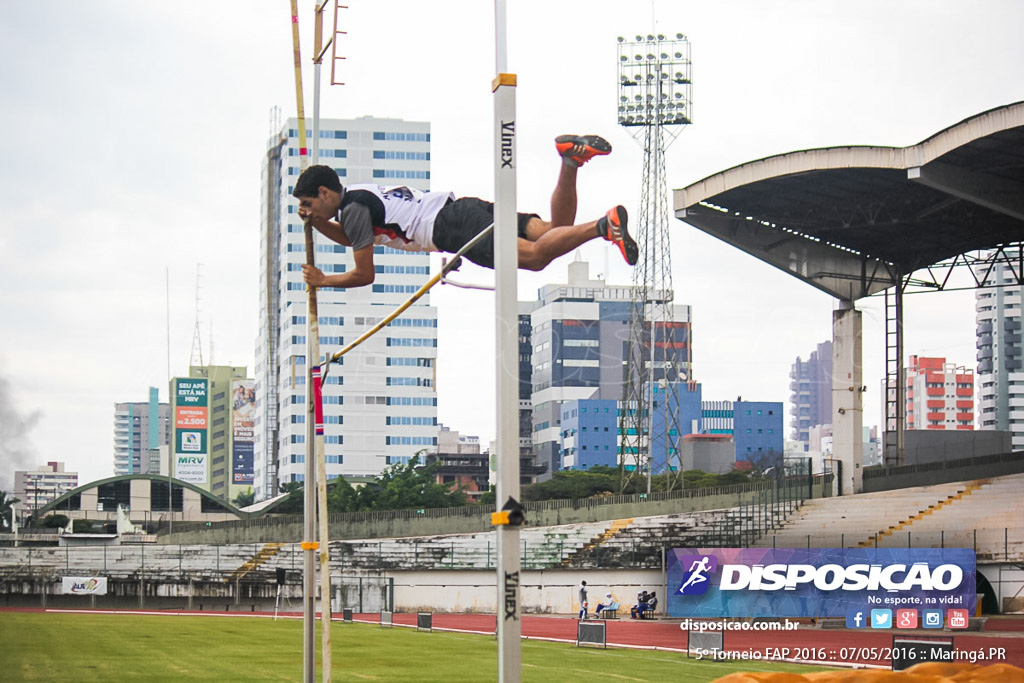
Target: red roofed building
(940, 395)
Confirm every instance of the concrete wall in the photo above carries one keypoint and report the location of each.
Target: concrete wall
(541, 592)
(921, 446)
(942, 472)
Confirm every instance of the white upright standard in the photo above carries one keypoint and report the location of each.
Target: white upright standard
(506, 262)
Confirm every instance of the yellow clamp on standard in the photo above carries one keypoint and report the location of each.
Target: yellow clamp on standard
(511, 514)
(310, 545)
(499, 518)
(503, 79)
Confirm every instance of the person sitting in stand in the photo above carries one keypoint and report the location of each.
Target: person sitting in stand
(649, 606)
(608, 602)
(641, 603)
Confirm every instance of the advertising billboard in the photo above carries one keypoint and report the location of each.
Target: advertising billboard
(84, 585)
(243, 412)
(191, 429)
(819, 582)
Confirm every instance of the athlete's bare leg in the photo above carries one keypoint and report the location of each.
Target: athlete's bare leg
(563, 199)
(547, 240)
(555, 241)
(552, 242)
(575, 150)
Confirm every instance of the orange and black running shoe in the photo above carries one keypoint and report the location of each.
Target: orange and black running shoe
(612, 227)
(579, 149)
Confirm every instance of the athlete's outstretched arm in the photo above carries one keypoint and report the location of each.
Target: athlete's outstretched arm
(331, 230)
(362, 273)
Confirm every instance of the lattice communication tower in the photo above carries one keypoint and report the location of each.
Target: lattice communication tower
(655, 102)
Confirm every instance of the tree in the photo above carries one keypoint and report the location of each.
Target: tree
(293, 504)
(244, 498)
(489, 496)
(574, 484)
(766, 464)
(6, 511)
(399, 487)
(603, 480)
(54, 521)
(341, 496)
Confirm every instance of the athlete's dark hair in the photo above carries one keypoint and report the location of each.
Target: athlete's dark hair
(310, 181)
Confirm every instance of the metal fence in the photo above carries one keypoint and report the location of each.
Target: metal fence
(271, 522)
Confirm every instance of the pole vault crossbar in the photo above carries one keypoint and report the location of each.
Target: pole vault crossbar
(446, 268)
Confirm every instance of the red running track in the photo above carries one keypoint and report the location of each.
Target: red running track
(806, 644)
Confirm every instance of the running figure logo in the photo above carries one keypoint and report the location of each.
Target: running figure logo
(696, 575)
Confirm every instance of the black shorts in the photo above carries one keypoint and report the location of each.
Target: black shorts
(462, 220)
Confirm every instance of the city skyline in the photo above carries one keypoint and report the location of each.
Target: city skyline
(126, 173)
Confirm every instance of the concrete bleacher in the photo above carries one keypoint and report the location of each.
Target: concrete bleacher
(612, 544)
(984, 514)
(640, 542)
(541, 548)
(129, 561)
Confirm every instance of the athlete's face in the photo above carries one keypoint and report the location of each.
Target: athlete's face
(324, 206)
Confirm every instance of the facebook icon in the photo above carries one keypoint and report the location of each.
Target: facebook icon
(855, 618)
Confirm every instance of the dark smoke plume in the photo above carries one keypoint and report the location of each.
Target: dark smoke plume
(16, 453)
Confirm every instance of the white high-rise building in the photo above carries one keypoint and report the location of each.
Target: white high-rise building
(940, 395)
(380, 403)
(35, 489)
(1000, 378)
(140, 430)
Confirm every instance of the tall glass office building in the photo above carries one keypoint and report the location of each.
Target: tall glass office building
(380, 405)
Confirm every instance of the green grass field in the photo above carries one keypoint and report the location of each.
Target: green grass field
(117, 647)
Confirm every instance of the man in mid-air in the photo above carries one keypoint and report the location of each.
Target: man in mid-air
(361, 216)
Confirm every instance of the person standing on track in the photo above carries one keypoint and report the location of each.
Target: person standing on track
(584, 603)
(361, 216)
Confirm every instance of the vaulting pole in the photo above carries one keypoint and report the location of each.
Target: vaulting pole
(312, 352)
(313, 364)
(445, 269)
(509, 514)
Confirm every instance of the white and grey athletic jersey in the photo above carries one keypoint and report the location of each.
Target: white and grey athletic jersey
(398, 217)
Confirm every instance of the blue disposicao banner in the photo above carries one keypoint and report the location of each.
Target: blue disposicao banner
(817, 582)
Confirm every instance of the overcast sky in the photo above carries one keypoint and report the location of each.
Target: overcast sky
(135, 133)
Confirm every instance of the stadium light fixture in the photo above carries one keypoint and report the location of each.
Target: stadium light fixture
(657, 80)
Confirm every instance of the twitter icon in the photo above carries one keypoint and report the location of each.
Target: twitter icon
(881, 618)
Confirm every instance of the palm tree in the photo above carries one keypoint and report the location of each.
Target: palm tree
(6, 511)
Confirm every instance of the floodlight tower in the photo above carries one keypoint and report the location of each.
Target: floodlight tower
(655, 102)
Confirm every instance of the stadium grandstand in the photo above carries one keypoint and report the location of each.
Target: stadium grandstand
(617, 541)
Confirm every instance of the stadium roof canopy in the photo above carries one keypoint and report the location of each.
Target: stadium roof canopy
(208, 501)
(852, 221)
